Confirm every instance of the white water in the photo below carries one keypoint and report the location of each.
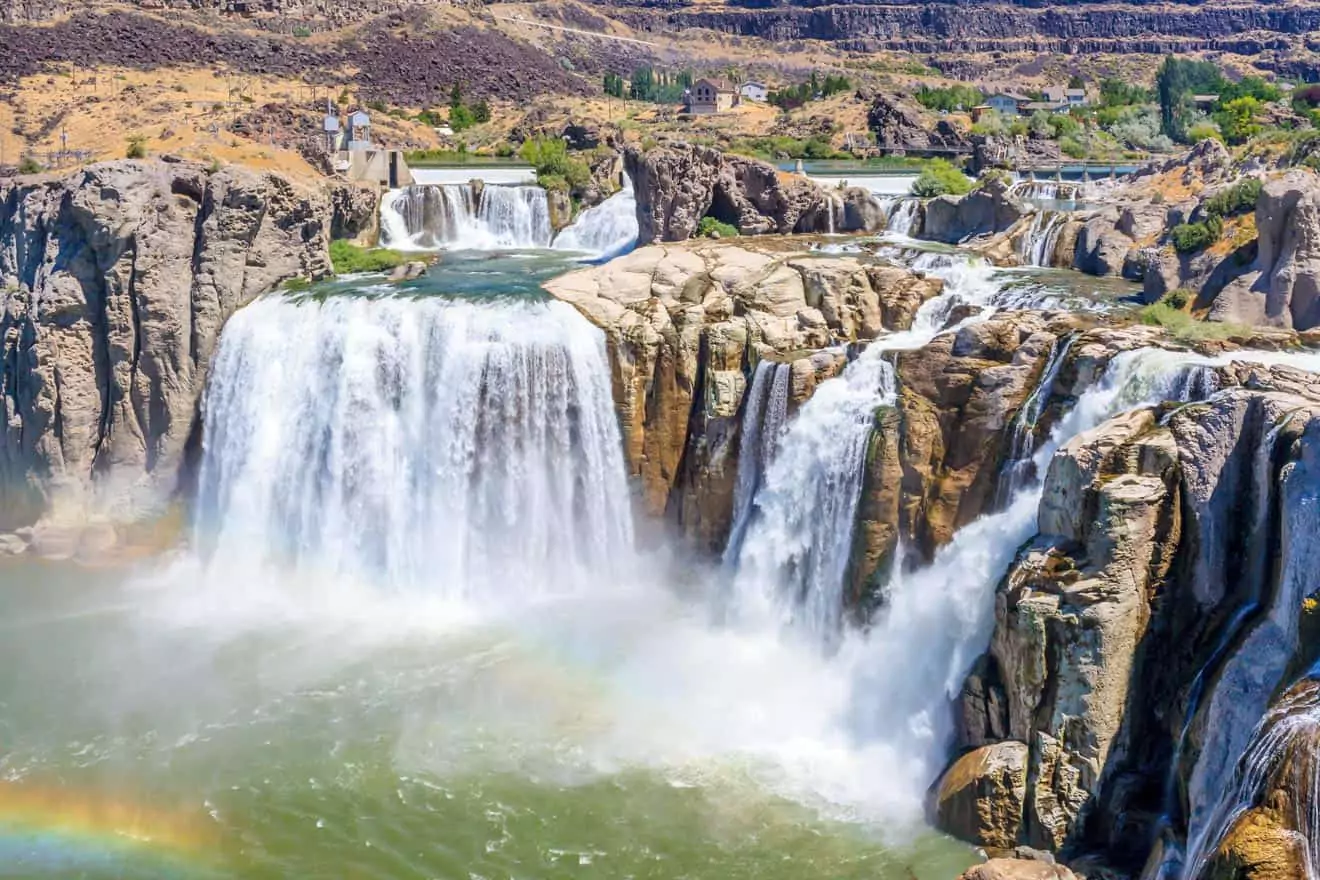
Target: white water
(900, 214)
(1037, 246)
(467, 452)
(606, 230)
(1019, 467)
(762, 424)
(455, 217)
(1045, 190)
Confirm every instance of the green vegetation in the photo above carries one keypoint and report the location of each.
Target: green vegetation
(1204, 131)
(29, 165)
(1191, 237)
(1237, 119)
(783, 147)
(302, 32)
(658, 87)
(1185, 327)
(613, 85)
(1117, 93)
(792, 97)
(555, 168)
(1176, 82)
(348, 258)
(939, 178)
(709, 227)
(463, 115)
(957, 97)
(137, 147)
(1237, 199)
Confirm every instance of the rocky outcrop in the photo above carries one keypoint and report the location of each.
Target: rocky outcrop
(986, 210)
(114, 283)
(686, 325)
(1010, 153)
(1282, 287)
(355, 214)
(898, 127)
(679, 184)
(1018, 869)
(1144, 557)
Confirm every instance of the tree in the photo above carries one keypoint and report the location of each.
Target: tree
(455, 96)
(1076, 82)
(938, 178)
(614, 85)
(1237, 119)
(1177, 80)
(643, 84)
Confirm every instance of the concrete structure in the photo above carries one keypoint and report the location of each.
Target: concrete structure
(709, 96)
(385, 168)
(359, 131)
(754, 91)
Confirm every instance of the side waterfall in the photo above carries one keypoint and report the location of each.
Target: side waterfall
(1018, 470)
(606, 230)
(1037, 246)
(460, 216)
(900, 214)
(763, 422)
(457, 450)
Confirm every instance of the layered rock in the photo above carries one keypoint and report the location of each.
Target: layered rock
(986, 210)
(679, 184)
(1105, 619)
(898, 127)
(114, 284)
(686, 325)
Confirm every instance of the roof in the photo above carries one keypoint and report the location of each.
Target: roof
(719, 84)
(1054, 93)
(754, 84)
(1014, 96)
(1075, 93)
(1205, 99)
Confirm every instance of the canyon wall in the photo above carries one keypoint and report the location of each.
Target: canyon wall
(114, 284)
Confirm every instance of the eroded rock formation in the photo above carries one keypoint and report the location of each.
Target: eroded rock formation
(114, 283)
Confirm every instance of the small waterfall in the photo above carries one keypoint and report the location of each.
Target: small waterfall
(1046, 190)
(606, 230)
(900, 214)
(763, 422)
(1037, 246)
(459, 216)
(798, 539)
(1018, 469)
(442, 448)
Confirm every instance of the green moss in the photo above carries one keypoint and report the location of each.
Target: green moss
(348, 258)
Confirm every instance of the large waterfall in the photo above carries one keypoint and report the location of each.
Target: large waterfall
(464, 216)
(605, 230)
(466, 451)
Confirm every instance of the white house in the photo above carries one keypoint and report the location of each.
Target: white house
(754, 91)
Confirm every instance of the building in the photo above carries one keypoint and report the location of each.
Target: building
(1060, 95)
(332, 131)
(1006, 103)
(1205, 102)
(708, 96)
(359, 130)
(1048, 106)
(754, 91)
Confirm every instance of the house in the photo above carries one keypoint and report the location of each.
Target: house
(708, 96)
(1006, 103)
(754, 91)
(1048, 106)
(1060, 95)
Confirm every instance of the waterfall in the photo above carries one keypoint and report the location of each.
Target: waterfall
(1045, 190)
(1037, 246)
(465, 451)
(797, 540)
(900, 214)
(460, 216)
(912, 661)
(1018, 468)
(763, 421)
(606, 230)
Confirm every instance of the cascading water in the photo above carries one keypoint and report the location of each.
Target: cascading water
(1019, 468)
(606, 230)
(460, 216)
(1037, 246)
(900, 214)
(763, 422)
(1045, 190)
(457, 450)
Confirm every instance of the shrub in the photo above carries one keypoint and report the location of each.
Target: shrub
(1237, 199)
(348, 258)
(1204, 131)
(957, 97)
(994, 174)
(302, 32)
(1191, 237)
(28, 165)
(1179, 299)
(137, 148)
(1183, 326)
(551, 159)
(709, 227)
(1072, 147)
(939, 178)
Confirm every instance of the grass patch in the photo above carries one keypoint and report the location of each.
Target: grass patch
(348, 258)
(709, 227)
(1185, 327)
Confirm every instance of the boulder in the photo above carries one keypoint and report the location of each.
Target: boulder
(1102, 249)
(1017, 869)
(986, 210)
(980, 797)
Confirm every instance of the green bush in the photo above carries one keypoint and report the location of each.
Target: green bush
(348, 258)
(137, 148)
(1191, 237)
(552, 182)
(953, 98)
(1203, 131)
(1237, 199)
(939, 178)
(553, 163)
(28, 165)
(709, 227)
(1179, 299)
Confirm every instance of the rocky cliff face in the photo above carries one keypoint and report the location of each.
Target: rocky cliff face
(678, 185)
(987, 210)
(114, 283)
(685, 327)
(1153, 528)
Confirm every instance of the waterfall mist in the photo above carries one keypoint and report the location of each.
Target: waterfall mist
(463, 216)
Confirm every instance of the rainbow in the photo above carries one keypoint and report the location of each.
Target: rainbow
(53, 832)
